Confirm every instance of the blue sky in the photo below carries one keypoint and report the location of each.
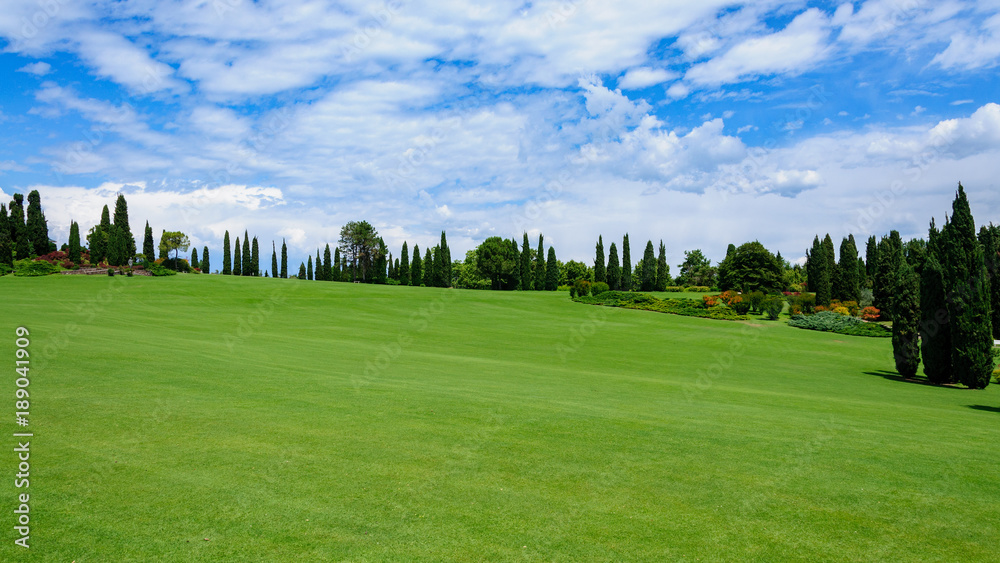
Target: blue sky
(698, 123)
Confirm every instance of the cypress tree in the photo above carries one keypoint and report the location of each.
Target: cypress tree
(614, 270)
(831, 263)
(526, 277)
(600, 273)
(552, 271)
(890, 254)
(194, 258)
(428, 268)
(6, 244)
(989, 237)
(37, 227)
(149, 250)
(309, 268)
(404, 265)
(227, 263)
(818, 273)
(906, 320)
(648, 268)
(337, 265)
(18, 230)
(206, 266)
(662, 269)
(245, 270)
(255, 258)
(116, 242)
(871, 261)
(274, 261)
(626, 283)
(438, 271)
(849, 277)
(935, 328)
(74, 240)
(302, 271)
(967, 285)
(445, 262)
(126, 240)
(395, 270)
(416, 269)
(318, 271)
(327, 264)
(99, 246)
(284, 260)
(237, 259)
(540, 265)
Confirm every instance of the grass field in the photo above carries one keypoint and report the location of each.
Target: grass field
(209, 418)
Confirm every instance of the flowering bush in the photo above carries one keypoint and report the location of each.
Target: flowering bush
(870, 314)
(820, 308)
(710, 300)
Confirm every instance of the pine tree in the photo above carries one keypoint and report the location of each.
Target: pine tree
(445, 262)
(428, 268)
(540, 265)
(206, 266)
(600, 273)
(967, 284)
(148, 248)
(552, 271)
(614, 269)
(6, 244)
(126, 240)
(404, 265)
(18, 230)
(662, 269)
(284, 260)
(648, 272)
(227, 263)
(309, 268)
(237, 259)
(906, 320)
(871, 261)
(254, 258)
(327, 264)
(626, 283)
(526, 278)
(74, 240)
(416, 269)
(37, 227)
(302, 271)
(274, 260)
(194, 258)
(890, 254)
(245, 270)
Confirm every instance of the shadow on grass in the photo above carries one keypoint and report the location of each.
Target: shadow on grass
(984, 408)
(894, 376)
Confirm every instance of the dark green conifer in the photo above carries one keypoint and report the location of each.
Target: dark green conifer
(648, 268)
(404, 265)
(600, 272)
(662, 269)
(194, 258)
(149, 249)
(237, 259)
(526, 277)
(626, 283)
(417, 267)
(614, 269)
(552, 271)
(540, 269)
(906, 320)
(227, 263)
(74, 241)
(206, 266)
(284, 260)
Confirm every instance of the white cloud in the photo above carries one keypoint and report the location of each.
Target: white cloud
(644, 77)
(39, 68)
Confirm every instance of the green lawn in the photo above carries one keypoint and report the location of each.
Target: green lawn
(309, 421)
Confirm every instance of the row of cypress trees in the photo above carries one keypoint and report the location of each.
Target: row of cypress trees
(23, 237)
(655, 273)
(831, 279)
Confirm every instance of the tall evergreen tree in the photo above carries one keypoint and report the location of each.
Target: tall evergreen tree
(74, 240)
(36, 225)
(730, 250)
(194, 258)
(818, 273)
(626, 283)
(890, 254)
(417, 267)
(831, 262)
(540, 265)
(237, 259)
(284, 260)
(254, 258)
(206, 266)
(648, 268)
(274, 260)
(327, 264)
(614, 269)
(309, 268)
(662, 269)
(967, 283)
(302, 271)
(318, 271)
(600, 272)
(871, 261)
(227, 261)
(552, 271)
(445, 262)
(149, 249)
(989, 237)
(102, 233)
(428, 268)
(906, 320)
(526, 277)
(246, 255)
(126, 240)
(115, 246)
(338, 274)
(438, 270)
(404, 265)
(18, 230)
(6, 244)
(848, 287)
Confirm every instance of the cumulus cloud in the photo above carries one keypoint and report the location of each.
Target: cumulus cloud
(644, 77)
(39, 68)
